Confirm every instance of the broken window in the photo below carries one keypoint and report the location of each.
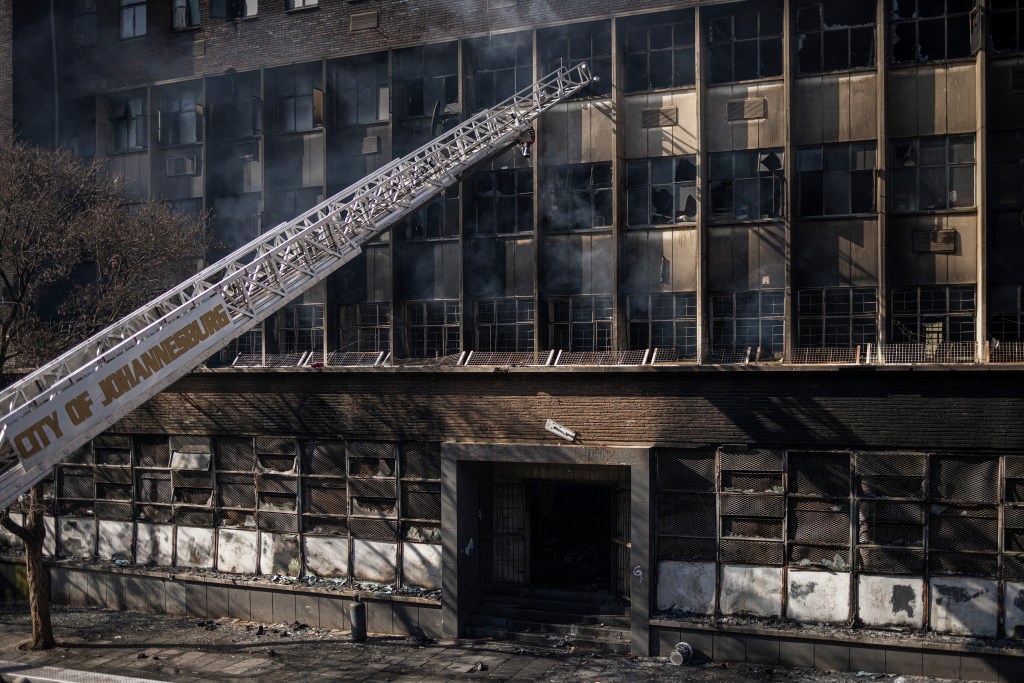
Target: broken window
(185, 14)
(568, 46)
(276, 484)
(299, 101)
(154, 493)
(1006, 168)
(664, 321)
(661, 191)
(747, 185)
(687, 521)
(500, 202)
(76, 484)
(432, 328)
(501, 65)
(580, 323)
(837, 179)
(749, 323)
(233, 9)
(932, 315)
(372, 490)
(933, 173)
(746, 45)
(931, 30)
(963, 520)
(113, 454)
(890, 512)
(235, 462)
(128, 125)
(505, 324)
(180, 118)
(818, 508)
(836, 36)
(366, 327)
(83, 23)
(1005, 19)
(427, 81)
(235, 106)
(578, 196)
(421, 492)
(659, 53)
(837, 318)
(324, 498)
(133, 18)
(437, 220)
(301, 328)
(752, 506)
(360, 91)
(192, 480)
(298, 4)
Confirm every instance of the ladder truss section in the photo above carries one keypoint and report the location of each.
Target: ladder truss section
(54, 410)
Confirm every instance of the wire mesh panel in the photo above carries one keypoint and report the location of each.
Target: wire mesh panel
(752, 507)
(421, 500)
(818, 522)
(324, 490)
(751, 552)
(965, 478)
(1006, 352)
(372, 490)
(235, 454)
(153, 451)
(687, 506)
(750, 460)
(891, 512)
(891, 560)
(825, 475)
(324, 458)
(373, 529)
(421, 460)
(236, 491)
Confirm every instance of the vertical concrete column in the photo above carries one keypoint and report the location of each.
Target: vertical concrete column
(788, 70)
(703, 203)
(460, 544)
(641, 566)
(980, 177)
(882, 56)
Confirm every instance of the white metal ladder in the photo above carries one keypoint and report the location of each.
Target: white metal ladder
(62, 405)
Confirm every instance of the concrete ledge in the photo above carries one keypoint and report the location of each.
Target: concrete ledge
(839, 652)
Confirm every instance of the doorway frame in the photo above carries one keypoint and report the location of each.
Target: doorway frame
(462, 473)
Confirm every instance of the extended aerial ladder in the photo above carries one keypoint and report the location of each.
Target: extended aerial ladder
(56, 409)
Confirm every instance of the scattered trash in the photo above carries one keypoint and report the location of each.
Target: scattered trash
(122, 563)
(681, 654)
(141, 655)
(480, 666)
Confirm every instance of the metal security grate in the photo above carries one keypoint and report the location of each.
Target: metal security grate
(113, 475)
(751, 552)
(372, 488)
(421, 460)
(1014, 467)
(912, 354)
(752, 460)
(826, 356)
(275, 445)
(963, 563)
(633, 357)
(964, 528)
(890, 560)
(373, 529)
(691, 549)
(371, 449)
(272, 462)
(820, 474)
(154, 487)
(235, 455)
(153, 451)
(891, 464)
(821, 522)
(236, 491)
(965, 478)
(422, 504)
(745, 527)
(77, 483)
(323, 499)
(82, 456)
(192, 479)
(686, 514)
(1013, 567)
(119, 512)
(752, 482)
(685, 469)
(1006, 352)
(154, 513)
(324, 458)
(363, 359)
(740, 505)
(817, 556)
(276, 484)
(420, 532)
(193, 517)
(277, 521)
(891, 487)
(508, 359)
(325, 525)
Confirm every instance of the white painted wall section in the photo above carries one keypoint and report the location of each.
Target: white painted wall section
(751, 590)
(686, 587)
(964, 606)
(818, 596)
(891, 600)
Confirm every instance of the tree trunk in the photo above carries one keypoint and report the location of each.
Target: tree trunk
(32, 534)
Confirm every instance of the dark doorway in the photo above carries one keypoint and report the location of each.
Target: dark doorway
(570, 536)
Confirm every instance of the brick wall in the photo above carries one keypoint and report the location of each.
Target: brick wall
(6, 71)
(277, 37)
(965, 410)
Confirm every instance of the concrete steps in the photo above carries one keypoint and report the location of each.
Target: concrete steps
(589, 622)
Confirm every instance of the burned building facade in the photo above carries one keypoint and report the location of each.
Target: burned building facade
(764, 274)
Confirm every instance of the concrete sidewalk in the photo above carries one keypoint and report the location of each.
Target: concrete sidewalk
(166, 648)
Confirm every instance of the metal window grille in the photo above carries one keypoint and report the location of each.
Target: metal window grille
(659, 52)
(747, 326)
(580, 323)
(666, 322)
(366, 327)
(661, 191)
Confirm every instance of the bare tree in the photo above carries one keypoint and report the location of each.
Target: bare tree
(75, 255)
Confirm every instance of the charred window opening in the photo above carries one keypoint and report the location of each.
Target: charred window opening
(301, 328)
(133, 18)
(746, 45)
(324, 497)
(752, 507)
(748, 321)
(298, 100)
(747, 185)
(659, 52)
(185, 14)
(963, 520)
(661, 191)
(83, 23)
(1004, 19)
(931, 30)
(818, 507)
(192, 480)
(687, 521)
(284, 205)
(1006, 168)
(505, 324)
(578, 196)
(360, 93)
(438, 220)
(835, 36)
(426, 94)
(1013, 520)
(500, 202)
(76, 484)
(249, 343)
(154, 494)
(180, 117)
(1006, 321)
(128, 124)
(277, 484)
(667, 322)
(299, 4)
(366, 327)
(837, 179)
(890, 512)
(372, 490)
(433, 328)
(932, 315)
(235, 462)
(500, 66)
(113, 457)
(233, 9)
(837, 318)
(235, 106)
(580, 323)
(568, 46)
(933, 173)
(421, 492)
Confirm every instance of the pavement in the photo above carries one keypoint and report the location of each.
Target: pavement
(129, 647)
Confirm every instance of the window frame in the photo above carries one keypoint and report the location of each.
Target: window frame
(131, 125)
(806, 176)
(906, 163)
(563, 182)
(581, 330)
(185, 15)
(719, 184)
(497, 329)
(725, 318)
(760, 39)
(682, 73)
(823, 31)
(424, 329)
(131, 12)
(677, 188)
(563, 46)
(642, 311)
(294, 331)
(899, 22)
(365, 326)
(900, 316)
(499, 210)
(999, 16)
(813, 309)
